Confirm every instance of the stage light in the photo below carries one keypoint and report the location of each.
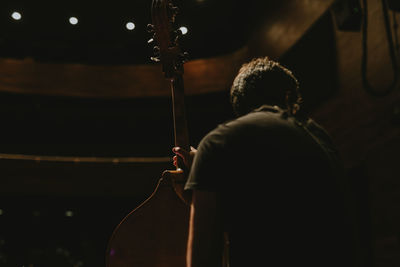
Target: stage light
(69, 213)
(184, 30)
(73, 20)
(130, 26)
(16, 15)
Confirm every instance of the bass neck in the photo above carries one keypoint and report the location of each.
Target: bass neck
(179, 115)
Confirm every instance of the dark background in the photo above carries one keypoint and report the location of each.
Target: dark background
(63, 213)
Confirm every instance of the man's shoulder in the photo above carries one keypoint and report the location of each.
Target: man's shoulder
(263, 118)
(247, 125)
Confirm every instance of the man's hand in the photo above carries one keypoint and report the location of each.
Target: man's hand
(187, 156)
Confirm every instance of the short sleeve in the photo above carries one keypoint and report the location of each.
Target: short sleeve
(207, 171)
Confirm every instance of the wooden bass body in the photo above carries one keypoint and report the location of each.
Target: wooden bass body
(155, 233)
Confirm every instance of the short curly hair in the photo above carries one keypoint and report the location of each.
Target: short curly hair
(264, 82)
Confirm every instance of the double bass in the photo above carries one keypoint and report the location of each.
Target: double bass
(154, 234)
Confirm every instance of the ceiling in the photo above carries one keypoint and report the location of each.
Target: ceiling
(101, 37)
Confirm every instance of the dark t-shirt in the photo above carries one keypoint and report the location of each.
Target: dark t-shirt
(281, 188)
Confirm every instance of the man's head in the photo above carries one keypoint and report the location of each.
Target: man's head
(264, 82)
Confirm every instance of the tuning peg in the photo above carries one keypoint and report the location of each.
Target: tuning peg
(150, 41)
(156, 51)
(155, 59)
(178, 33)
(150, 28)
(184, 57)
(178, 66)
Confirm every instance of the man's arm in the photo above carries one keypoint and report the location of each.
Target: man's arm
(205, 241)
